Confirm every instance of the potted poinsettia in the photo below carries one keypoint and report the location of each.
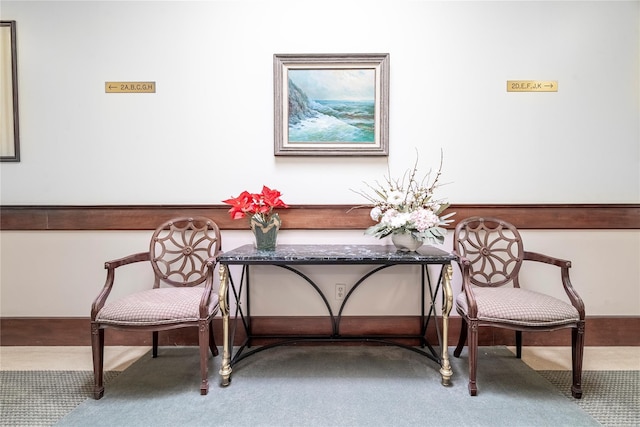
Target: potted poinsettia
(259, 207)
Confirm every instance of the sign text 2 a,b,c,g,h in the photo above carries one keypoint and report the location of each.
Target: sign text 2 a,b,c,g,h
(130, 87)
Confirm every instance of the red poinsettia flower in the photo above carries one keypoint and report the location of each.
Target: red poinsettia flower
(272, 198)
(255, 203)
(240, 205)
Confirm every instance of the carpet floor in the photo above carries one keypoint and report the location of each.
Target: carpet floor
(308, 386)
(611, 397)
(41, 398)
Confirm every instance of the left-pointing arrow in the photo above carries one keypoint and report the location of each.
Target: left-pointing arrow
(129, 87)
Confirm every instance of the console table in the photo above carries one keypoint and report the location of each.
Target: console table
(378, 256)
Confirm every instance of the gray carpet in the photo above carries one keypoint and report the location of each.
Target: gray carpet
(611, 397)
(40, 398)
(329, 386)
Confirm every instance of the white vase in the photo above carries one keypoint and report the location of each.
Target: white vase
(405, 242)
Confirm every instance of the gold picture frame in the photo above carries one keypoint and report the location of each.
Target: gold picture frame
(331, 104)
(9, 131)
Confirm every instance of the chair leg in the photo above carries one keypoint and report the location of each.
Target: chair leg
(203, 337)
(461, 339)
(519, 344)
(212, 341)
(472, 346)
(577, 352)
(155, 344)
(97, 349)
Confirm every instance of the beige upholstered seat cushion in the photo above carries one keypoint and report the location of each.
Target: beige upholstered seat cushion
(156, 307)
(519, 307)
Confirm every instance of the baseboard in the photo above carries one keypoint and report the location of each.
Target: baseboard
(600, 331)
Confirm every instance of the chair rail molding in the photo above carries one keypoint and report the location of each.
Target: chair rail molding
(310, 217)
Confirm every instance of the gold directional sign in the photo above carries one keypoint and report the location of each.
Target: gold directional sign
(532, 86)
(130, 87)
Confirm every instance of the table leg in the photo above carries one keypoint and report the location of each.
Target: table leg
(223, 300)
(445, 366)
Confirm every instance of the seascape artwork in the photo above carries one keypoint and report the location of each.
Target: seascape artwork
(331, 105)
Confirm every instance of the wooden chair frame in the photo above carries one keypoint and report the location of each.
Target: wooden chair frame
(475, 240)
(183, 253)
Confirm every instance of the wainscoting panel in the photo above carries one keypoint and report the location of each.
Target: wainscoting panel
(601, 331)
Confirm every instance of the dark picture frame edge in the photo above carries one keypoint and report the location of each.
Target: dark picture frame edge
(12, 116)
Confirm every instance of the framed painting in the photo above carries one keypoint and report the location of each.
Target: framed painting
(9, 135)
(331, 104)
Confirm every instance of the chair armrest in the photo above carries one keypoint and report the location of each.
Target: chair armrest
(210, 263)
(110, 266)
(465, 269)
(130, 259)
(534, 256)
(564, 265)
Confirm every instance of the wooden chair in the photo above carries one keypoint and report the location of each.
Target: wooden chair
(183, 253)
(491, 253)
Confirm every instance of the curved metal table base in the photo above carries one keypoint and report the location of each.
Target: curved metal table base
(381, 256)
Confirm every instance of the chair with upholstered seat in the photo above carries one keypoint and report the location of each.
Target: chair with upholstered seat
(490, 255)
(182, 254)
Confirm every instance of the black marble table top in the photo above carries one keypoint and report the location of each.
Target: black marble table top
(335, 254)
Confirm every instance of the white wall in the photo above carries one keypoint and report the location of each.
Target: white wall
(207, 133)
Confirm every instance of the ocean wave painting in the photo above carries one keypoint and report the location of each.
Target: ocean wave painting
(332, 106)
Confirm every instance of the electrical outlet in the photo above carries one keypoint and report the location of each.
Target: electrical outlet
(341, 291)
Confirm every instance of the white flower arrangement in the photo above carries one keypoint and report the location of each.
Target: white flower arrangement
(408, 206)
